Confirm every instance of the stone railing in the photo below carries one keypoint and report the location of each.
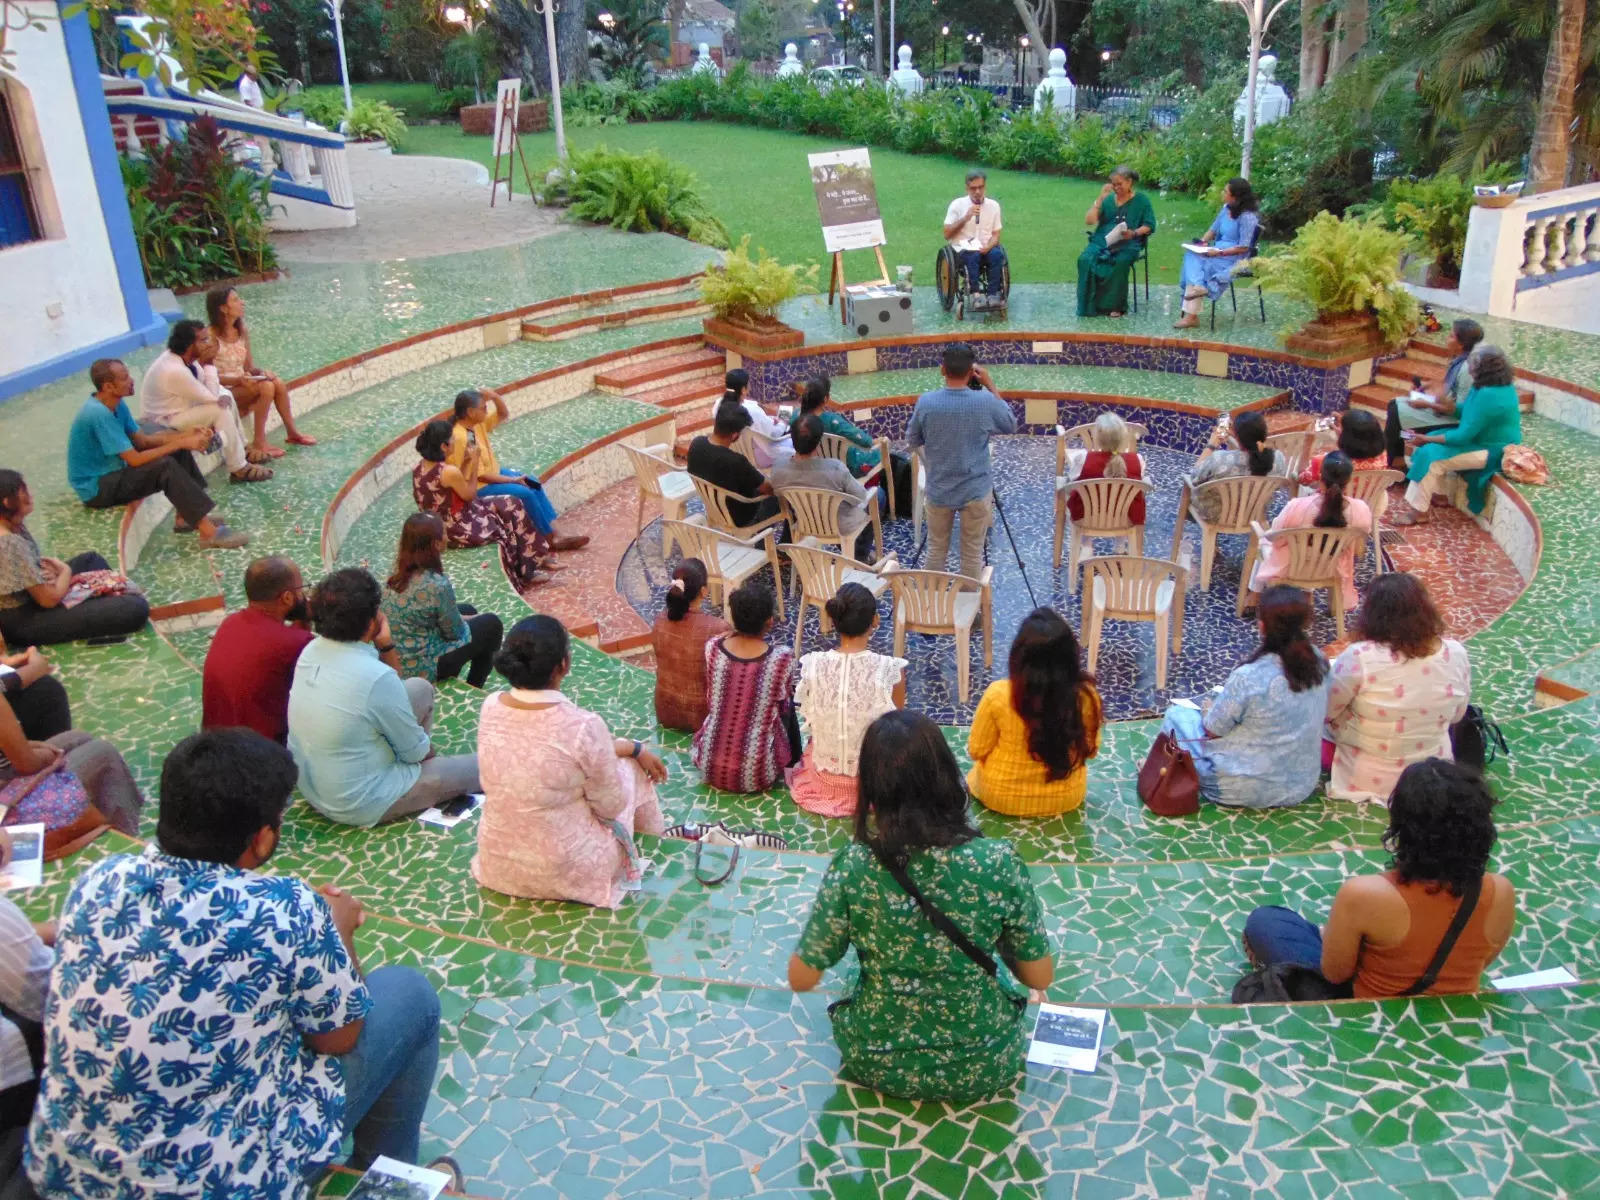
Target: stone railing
(1535, 242)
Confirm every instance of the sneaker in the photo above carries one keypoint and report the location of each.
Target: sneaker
(225, 539)
(448, 1166)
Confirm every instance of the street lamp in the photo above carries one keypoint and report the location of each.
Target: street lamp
(336, 7)
(548, 9)
(1260, 17)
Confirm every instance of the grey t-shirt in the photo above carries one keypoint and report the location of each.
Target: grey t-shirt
(828, 474)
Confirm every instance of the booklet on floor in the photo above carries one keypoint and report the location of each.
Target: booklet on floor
(391, 1179)
(452, 812)
(1067, 1037)
(1550, 977)
(26, 867)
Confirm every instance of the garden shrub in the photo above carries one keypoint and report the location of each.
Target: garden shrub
(373, 119)
(1343, 266)
(641, 193)
(325, 108)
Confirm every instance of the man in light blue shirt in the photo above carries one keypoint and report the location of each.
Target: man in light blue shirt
(952, 426)
(358, 732)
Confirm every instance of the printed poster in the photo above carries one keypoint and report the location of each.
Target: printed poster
(846, 200)
(511, 88)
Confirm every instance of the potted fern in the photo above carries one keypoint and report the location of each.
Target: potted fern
(1349, 271)
(744, 294)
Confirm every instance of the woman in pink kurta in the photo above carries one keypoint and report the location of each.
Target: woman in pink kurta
(1330, 510)
(1395, 692)
(562, 797)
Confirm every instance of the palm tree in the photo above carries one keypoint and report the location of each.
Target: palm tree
(1552, 136)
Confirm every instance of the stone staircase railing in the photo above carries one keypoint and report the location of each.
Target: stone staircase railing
(1541, 241)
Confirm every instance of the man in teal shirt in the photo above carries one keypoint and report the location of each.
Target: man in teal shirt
(1491, 420)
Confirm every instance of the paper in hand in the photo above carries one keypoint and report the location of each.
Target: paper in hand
(1199, 248)
(390, 1179)
(26, 866)
(1067, 1037)
(1118, 233)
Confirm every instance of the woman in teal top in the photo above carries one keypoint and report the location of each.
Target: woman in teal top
(924, 1020)
(1103, 270)
(435, 637)
(1490, 420)
(862, 455)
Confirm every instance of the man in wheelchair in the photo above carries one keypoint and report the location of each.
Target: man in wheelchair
(972, 230)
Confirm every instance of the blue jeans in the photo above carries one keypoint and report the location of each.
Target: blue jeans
(540, 511)
(994, 260)
(1281, 935)
(388, 1077)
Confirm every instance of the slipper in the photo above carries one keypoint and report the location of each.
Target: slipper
(250, 474)
(300, 439)
(253, 455)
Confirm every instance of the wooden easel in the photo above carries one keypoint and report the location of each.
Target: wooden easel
(508, 130)
(837, 285)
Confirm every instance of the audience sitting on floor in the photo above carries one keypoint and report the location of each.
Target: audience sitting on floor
(769, 436)
(44, 600)
(922, 1021)
(1253, 457)
(1034, 733)
(436, 636)
(815, 396)
(360, 733)
(254, 389)
(1436, 412)
(1329, 510)
(470, 430)
(1384, 931)
(473, 519)
(952, 427)
(1257, 743)
(750, 733)
(26, 959)
(679, 638)
(840, 693)
(714, 459)
(562, 797)
(71, 782)
(34, 695)
(1360, 440)
(111, 463)
(210, 1031)
(174, 397)
(809, 468)
(249, 666)
(1396, 690)
(1113, 457)
(1490, 419)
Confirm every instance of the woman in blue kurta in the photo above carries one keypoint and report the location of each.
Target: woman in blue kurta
(1231, 236)
(1103, 269)
(1491, 420)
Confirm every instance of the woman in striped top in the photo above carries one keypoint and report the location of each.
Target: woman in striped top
(744, 743)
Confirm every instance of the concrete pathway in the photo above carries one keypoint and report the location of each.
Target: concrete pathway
(415, 206)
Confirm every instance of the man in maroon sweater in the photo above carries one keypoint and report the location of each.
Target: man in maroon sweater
(251, 661)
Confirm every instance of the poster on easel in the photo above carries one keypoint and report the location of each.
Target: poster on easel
(507, 107)
(847, 200)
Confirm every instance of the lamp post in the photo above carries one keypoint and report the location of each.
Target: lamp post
(458, 14)
(337, 8)
(1260, 17)
(548, 9)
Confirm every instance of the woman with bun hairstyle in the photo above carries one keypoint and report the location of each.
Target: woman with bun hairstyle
(1035, 731)
(679, 638)
(1120, 220)
(1253, 457)
(1330, 510)
(562, 798)
(841, 692)
(1258, 743)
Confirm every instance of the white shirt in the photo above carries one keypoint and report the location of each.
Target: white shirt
(250, 92)
(838, 696)
(973, 234)
(25, 964)
(170, 388)
(771, 434)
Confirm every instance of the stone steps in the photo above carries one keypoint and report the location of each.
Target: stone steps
(631, 380)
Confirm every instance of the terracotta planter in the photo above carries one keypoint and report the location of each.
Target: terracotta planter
(759, 334)
(1337, 334)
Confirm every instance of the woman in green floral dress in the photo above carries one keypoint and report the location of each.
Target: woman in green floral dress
(1104, 270)
(925, 1021)
(814, 393)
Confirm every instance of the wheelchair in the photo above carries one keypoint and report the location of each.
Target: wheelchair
(951, 279)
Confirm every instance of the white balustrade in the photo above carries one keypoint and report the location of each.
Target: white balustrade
(1543, 241)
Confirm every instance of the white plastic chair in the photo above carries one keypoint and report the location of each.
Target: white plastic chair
(938, 602)
(1106, 504)
(1081, 437)
(1295, 447)
(1373, 488)
(720, 516)
(836, 445)
(1243, 500)
(1124, 587)
(821, 575)
(813, 516)
(660, 480)
(1314, 556)
(729, 559)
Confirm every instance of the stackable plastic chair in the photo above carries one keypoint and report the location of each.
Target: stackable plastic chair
(1295, 447)
(1314, 556)
(940, 603)
(1244, 501)
(836, 445)
(1106, 505)
(729, 559)
(1373, 487)
(660, 480)
(813, 516)
(1124, 587)
(720, 516)
(1081, 437)
(821, 575)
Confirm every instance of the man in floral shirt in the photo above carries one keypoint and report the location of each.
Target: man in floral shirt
(209, 1033)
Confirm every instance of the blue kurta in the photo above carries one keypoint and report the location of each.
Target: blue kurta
(1209, 271)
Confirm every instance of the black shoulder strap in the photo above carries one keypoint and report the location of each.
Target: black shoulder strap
(940, 922)
(1469, 901)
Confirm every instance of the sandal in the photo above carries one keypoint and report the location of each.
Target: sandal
(300, 439)
(253, 455)
(250, 474)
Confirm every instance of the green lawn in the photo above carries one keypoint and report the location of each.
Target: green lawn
(757, 182)
(415, 99)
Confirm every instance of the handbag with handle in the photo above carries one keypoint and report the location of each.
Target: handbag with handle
(1169, 785)
(56, 799)
(718, 834)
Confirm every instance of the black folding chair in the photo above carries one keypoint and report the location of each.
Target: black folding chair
(1247, 273)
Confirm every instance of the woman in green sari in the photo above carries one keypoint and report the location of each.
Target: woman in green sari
(814, 395)
(1103, 270)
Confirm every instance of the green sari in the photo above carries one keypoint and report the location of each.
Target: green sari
(1102, 273)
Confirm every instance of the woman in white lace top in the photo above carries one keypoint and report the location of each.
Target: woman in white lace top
(841, 692)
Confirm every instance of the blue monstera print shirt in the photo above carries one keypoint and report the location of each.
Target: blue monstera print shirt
(174, 1064)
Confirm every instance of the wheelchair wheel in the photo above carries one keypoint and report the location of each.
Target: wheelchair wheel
(945, 273)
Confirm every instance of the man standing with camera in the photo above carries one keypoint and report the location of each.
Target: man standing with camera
(952, 425)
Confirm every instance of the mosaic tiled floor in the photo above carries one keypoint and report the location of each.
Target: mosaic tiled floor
(1096, 381)
(653, 1051)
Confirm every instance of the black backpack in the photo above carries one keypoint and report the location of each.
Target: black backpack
(1283, 982)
